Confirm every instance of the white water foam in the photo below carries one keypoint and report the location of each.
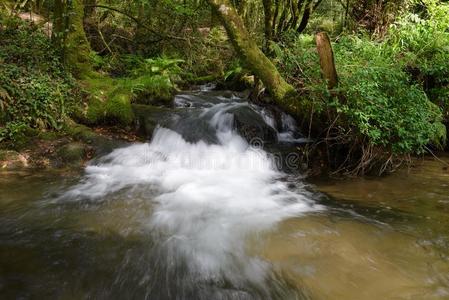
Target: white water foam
(209, 197)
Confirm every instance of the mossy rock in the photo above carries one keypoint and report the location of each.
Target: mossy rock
(95, 112)
(72, 153)
(252, 127)
(148, 117)
(118, 108)
(80, 132)
(153, 90)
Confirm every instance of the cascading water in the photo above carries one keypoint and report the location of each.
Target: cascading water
(207, 197)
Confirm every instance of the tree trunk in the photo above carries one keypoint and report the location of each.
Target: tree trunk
(77, 46)
(283, 93)
(327, 63)
(268, 18)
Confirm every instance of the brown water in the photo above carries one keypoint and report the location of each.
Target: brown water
(382, 238)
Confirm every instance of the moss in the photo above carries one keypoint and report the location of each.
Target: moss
(109, 100)
(77, 52)
(156, 90)
(95, 112)
(118, 108)
(80, 132)
(72, 153)
(192, 79)
(49, 135)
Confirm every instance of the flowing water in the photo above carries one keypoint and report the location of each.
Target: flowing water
(200, 213)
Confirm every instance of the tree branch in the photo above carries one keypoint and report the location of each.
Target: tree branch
(166, 36)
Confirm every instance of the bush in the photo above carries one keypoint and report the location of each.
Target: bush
(382, 102)
(35, 89)
(381, 106)
(422, 43)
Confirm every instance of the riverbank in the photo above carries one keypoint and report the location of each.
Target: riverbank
(69, 149)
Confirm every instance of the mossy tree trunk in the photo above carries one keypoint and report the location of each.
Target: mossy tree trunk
(77, 47)
(268, 18)
(283, 93)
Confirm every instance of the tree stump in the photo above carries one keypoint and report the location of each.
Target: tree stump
(327, 63)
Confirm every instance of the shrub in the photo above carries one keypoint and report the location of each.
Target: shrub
(382, 102)
(422, 43)
(381, 106)
(35, 89)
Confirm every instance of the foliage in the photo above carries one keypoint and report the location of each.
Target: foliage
(152, 81)
(422, 43)
(147, 81)
(35, 89)
(380, 103)
(210, 55)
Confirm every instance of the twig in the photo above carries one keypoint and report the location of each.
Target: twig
(167, 36)
(436, 157)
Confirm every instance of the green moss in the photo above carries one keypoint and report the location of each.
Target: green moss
(77, 52)
(109, 99)
(72, 153)
(192, 79)
(118, 108)
(49, 135)
(157, 90)
(95, 112)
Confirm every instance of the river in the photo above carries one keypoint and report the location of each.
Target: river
(200, 212)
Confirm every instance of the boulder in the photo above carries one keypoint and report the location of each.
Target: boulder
(73, 153)
(11, 160)
(252, 127)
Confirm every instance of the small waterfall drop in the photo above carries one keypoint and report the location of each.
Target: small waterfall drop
(207, 197)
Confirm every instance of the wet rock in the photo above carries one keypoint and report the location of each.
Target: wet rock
(193, 128)
(148, 117)
(251, 126)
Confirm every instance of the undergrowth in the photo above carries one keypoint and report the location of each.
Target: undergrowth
(36, 91)
(393, 94)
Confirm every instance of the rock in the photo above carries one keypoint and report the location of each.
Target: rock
(148, 117)
(251, 126)
(11, 160)
(72, 153)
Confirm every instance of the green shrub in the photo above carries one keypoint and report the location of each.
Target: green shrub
(382, 102)
(35, 89)
(381, 105)
(422, 44)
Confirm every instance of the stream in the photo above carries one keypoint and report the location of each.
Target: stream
(213, 207)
